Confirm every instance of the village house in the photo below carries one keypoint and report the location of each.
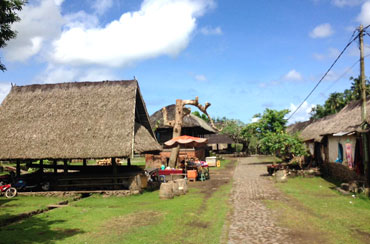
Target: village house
(219, 143)
(191, 126)
(336, 138)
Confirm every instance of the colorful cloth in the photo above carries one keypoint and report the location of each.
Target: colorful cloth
(349, 155)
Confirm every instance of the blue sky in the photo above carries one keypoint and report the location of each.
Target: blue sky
(241, 56)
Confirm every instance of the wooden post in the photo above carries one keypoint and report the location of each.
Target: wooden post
(128, 161)
(55, 166)
(41, 166)
(177, 131)
(84, 162)
(114, 166)
(65, 166)
(363, 114)
(18, 170)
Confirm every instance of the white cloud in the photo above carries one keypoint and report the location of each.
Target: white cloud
(200, 77)
(255, 119)
(293, 75)
(57, 74)
(211, 31)
(344, 3)
(161, 27)
(80, 19)
(331, 54)
(39, 23)
(4, 90)
(302, 114)
(364, 16)
(331, 76)
(101, 6)
(97, 75)
(322, 31)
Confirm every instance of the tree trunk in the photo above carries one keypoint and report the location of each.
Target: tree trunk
(176, 132)
(245, 147)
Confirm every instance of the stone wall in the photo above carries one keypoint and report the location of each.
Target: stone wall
(339, 172)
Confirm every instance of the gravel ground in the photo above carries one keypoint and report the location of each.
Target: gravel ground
(251, 221)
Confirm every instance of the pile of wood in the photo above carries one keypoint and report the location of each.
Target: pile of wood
(107, 161)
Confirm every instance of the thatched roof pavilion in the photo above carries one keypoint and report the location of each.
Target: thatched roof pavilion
(189, 121)
(219, 139)
(192, 125)
(77, 120)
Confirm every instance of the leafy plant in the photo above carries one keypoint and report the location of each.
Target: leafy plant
(283, 145)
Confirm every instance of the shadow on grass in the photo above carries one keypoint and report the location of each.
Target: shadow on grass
(36, 230)
(332, 180)
(4, 200)
(259, 163)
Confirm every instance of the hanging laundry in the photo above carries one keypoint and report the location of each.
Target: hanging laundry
(349, 155)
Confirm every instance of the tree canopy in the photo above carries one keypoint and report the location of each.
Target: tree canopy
(8, 15)
(267, 135)
(338, 100)
(202, 116)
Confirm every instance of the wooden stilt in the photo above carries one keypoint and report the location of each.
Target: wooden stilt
(65, 166)
(114, 166)
(55, 166)
(84, 162)
(128, 161)
(18, 170)
(41, 166)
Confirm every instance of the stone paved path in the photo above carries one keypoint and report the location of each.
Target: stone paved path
(251, 221)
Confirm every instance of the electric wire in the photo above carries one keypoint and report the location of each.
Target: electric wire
(343, 74)
(326, 73)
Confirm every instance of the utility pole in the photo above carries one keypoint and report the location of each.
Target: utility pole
(365, 140)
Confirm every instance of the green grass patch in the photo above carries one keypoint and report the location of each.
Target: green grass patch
(224, 164)
(266, 159)
(314, 210)
(192, 218)
(139, 161)
(24, 204)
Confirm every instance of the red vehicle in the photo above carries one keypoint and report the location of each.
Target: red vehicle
(8, 190)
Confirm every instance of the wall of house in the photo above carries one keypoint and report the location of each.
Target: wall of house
(310, 146)
(220, 146)
(333, 147)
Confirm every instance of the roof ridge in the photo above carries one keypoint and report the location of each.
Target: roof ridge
(73, 84)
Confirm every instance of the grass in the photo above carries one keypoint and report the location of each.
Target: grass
(224, 163)
(193, 218)
(314, 210)
(25, 204)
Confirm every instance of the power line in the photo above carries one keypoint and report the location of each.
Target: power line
(326, 73)
(344, 73)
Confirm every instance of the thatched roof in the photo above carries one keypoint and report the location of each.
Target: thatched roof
(75, 120)
(189, 121)
(219, 139)
(298, 126)
(347, 120)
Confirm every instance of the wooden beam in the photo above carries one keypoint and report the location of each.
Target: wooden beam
(129, 161)
(41, 166)
(84, 162)
(114, 166)
(18, 170)
(65, 166)
(55, 166)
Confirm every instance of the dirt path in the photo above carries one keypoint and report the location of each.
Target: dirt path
(251, 221)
